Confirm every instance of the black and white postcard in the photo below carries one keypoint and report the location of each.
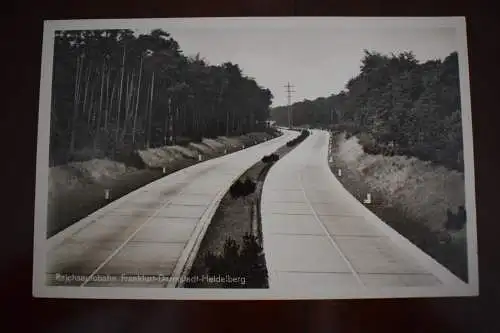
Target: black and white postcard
(255, 158)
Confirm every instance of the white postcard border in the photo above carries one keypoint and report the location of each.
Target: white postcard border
(40, 289)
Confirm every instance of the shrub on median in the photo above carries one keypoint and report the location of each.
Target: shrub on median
(270, 158)
(245, 264)
(242, 188)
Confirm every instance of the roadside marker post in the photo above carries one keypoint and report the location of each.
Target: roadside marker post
(368, 199)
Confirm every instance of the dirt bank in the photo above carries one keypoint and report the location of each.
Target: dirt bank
(410, 195)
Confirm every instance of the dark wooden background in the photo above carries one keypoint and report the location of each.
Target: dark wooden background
(22, 25)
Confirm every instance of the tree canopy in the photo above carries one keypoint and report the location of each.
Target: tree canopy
(395, 100)
(113, 91)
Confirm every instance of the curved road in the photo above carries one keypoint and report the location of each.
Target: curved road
(152, 233)
(318, 237)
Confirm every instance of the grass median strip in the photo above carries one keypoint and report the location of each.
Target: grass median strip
(231, 253)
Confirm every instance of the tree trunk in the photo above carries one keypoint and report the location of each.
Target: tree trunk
(127, 90)
(120, 93)
(196, 121)
(234, 126)
(137, 102)
(110, 105)
(128, 99)
(174, 126)
(106, 115)
(184, 120)
(89, 70)
(167, 118)
(99, 111)
(146, 120)
(75, 104)
(202, 122)
(227, 122)
(150, 110)
(91, 108)
(194, 125)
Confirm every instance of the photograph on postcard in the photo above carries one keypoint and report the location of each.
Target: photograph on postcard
(255, 158)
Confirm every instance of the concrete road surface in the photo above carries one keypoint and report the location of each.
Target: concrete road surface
(151, 234)
(316, 235)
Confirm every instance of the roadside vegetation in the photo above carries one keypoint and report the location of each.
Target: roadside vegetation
(115, 92)
(396, 105)
(398, 129)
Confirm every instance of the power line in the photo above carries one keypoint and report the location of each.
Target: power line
(289, 90)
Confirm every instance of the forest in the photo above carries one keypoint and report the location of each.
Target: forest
(395, 105)
(114, 91)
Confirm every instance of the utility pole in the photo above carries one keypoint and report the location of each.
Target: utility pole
(289, 92)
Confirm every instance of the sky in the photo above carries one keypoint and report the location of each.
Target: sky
(317, 59)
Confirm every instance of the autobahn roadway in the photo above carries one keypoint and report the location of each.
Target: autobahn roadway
(152, 233)
(320, 240)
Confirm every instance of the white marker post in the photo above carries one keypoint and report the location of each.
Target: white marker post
(368, 199)
(339, 172)
(164, 170)
(225, 151)
(199, 157)
(106, 194)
